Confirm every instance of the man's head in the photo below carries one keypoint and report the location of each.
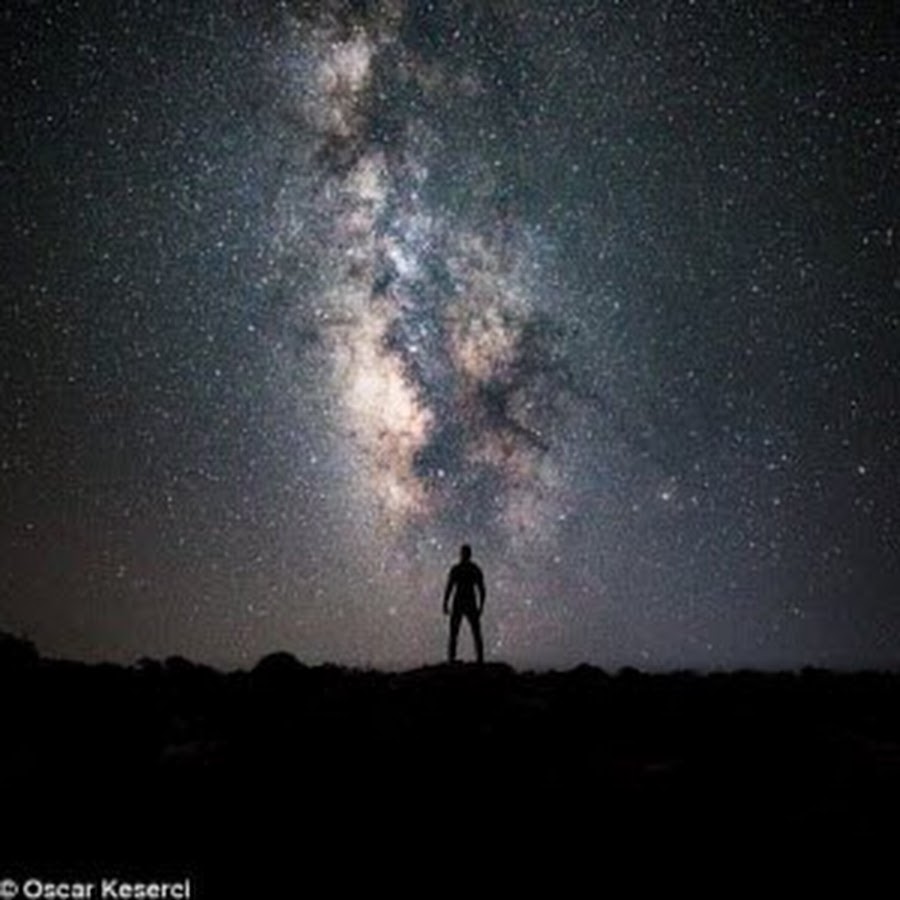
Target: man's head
(465, 553)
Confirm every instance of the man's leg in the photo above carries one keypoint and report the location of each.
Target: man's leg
(475, 621)
(455, 619)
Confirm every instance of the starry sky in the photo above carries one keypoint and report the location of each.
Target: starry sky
(299, 296)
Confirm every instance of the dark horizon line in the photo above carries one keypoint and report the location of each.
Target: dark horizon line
(29, 653)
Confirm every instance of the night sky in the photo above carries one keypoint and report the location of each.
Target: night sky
(297, 297)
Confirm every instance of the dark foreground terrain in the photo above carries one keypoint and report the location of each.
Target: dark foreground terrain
(458, 775)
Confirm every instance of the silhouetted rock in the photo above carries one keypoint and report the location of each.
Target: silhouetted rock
(16, 652)
(279, 665)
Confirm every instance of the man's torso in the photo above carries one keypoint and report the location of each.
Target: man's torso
(466, 577)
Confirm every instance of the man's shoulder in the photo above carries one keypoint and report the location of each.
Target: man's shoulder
(467, 569)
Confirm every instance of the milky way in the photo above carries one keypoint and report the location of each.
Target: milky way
(300, 297)
(432, 327)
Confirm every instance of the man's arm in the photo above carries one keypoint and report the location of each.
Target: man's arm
(448, 591)
(482, 591)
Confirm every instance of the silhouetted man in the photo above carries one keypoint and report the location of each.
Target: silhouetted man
(464, 582)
